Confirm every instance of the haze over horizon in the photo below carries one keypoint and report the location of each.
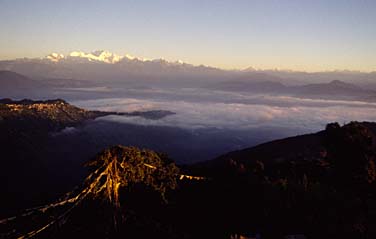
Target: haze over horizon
(94, 55)
(295, 35)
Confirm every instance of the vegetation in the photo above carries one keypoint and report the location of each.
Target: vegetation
(325, 194)
(124, 167)
(115, 169)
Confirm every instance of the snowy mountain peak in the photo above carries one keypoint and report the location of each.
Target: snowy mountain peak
(55, 57)
(102, 56)
(96, 56)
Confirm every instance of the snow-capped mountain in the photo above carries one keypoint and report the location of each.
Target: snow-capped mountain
(101, 56)
(55, 57)
(106, 66)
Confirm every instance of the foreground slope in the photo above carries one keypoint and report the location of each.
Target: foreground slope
(312, 186)
(321, 185)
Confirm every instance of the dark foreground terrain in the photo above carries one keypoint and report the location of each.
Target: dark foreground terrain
(320, 185)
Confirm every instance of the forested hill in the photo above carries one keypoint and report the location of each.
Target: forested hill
(308, 147)
(324, 182)
(53, 114)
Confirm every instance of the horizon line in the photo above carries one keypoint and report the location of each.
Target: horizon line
(249, 68)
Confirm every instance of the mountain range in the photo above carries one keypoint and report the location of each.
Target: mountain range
(334, 89)
(20, 86)
(103, 66)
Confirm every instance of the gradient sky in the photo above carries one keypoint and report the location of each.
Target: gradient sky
(312, 35)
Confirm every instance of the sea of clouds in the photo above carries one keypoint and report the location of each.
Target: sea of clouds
(203, 108)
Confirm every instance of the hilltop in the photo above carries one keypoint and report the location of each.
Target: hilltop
(56, 113)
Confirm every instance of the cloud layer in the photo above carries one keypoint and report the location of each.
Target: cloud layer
(199, 108)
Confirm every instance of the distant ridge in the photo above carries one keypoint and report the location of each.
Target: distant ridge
(16, 85)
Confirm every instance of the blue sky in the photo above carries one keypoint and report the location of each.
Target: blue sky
(287, 34)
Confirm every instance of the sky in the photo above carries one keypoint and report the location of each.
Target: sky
(317, 35)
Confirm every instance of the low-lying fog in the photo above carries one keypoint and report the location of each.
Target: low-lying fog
(208, 122)
(197, 108)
